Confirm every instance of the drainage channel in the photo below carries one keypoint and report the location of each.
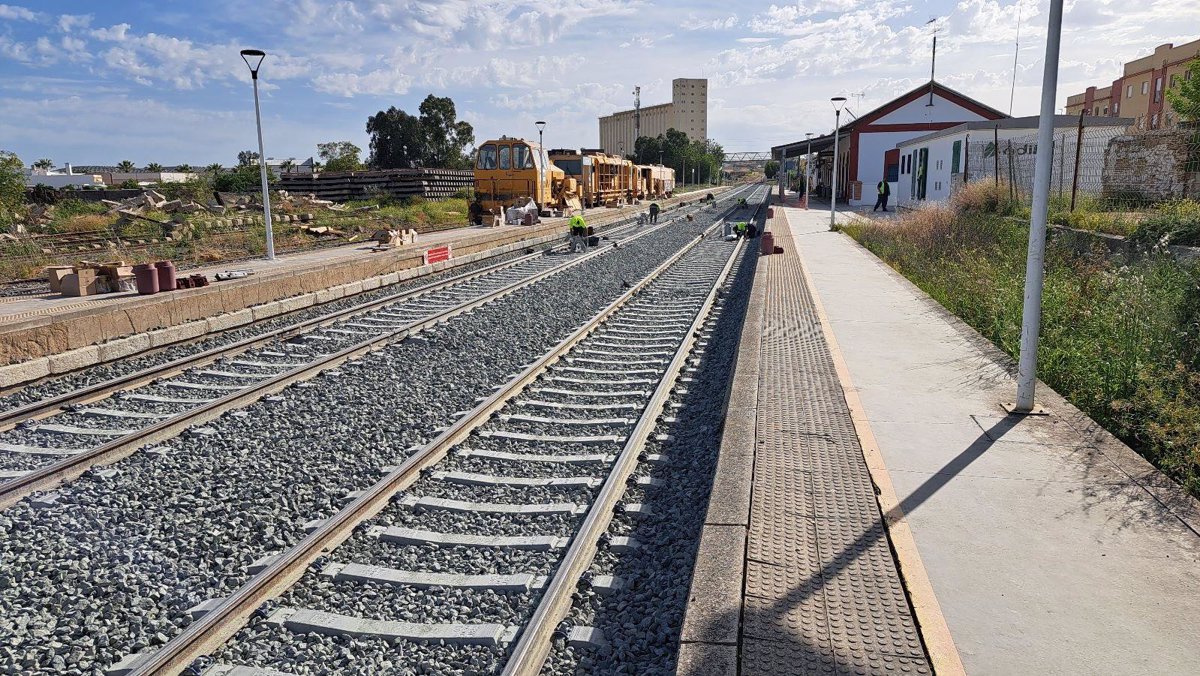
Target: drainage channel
(524, 484)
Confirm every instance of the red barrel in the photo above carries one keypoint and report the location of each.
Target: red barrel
(166, 275)
(145, 275)
(766, 243)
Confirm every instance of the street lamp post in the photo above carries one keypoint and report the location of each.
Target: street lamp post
(1031, 316)
(541, 126)
(808, 168)
(257, 55)
(838, 102)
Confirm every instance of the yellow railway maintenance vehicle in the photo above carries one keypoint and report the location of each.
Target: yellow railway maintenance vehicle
(603, 179)
(513, 171)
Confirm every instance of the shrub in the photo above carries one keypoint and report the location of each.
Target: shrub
(198, 189)
(986, 197)
(1176, 222)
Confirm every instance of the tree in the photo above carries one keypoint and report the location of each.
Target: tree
(286, 166)
(154, 167)
(184, 168)
(215, 168)
(247, 158)
(1185, 96)
(436, 138)
(12, 185)
(340, 155)
(44, 163)
(676, 151)
(126, 167)
(772, 169)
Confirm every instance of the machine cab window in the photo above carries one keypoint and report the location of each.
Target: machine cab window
(506, 157)
(487, 157)
(522, 157)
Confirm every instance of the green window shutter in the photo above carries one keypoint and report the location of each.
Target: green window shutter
(954, 157)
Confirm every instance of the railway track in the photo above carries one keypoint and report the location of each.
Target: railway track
(531, 476)
(56, 439)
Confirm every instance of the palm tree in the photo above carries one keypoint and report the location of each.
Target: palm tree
(286, 166)
(44, 163)
(214, 168)
(154, 167)
(184, 168)
(125, 167)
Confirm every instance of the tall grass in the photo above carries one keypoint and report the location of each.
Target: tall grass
(1120, 341)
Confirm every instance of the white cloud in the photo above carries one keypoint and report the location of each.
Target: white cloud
(694, 23)
(13, 13)
(115, 33)
(69, 22)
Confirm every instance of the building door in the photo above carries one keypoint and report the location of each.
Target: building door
(922, 172)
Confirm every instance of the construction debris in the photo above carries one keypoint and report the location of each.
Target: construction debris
(394, 237)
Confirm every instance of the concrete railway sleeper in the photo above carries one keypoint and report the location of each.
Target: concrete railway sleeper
(526, 502)
(153, 406)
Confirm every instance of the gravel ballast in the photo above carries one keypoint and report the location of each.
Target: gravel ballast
(110, 566)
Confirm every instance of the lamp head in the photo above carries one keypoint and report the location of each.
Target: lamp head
(253, 59)
(838, 102)
(540, 124)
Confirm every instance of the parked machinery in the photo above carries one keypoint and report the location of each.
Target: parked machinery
(511, 172)
(656, 181)
(603, 179)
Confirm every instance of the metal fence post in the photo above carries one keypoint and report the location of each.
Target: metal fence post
(996, 153)
(1078, 152)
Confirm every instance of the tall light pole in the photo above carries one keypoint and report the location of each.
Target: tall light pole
(541, 126)
(808, 168)
(838, 102)
(257, 56)
(1031, 316)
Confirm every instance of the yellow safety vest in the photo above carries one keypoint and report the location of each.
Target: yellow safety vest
(577, 223)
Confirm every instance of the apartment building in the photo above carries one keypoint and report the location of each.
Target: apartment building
(1139, 93)
(687, 112)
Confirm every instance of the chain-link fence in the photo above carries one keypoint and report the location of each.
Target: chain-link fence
(1095, 168)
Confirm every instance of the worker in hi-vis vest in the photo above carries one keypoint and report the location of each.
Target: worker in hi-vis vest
(885, 190)
(740, 229)
(578, 233)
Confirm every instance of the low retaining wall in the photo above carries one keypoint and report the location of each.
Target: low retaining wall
(59, 343)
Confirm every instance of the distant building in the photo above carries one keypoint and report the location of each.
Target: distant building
(62, 178)
(290, 166)
(1139, 92)
(867, 144)
(687, 112)
(933, 166)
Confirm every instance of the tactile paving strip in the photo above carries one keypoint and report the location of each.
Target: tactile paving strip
(823, 595)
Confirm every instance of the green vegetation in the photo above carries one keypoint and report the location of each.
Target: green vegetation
(1120, 340)
(12, 186)
(435, 139)
(340, 156)
(704, 157)
(1184, 97)
(771, 170)
(1176, 222)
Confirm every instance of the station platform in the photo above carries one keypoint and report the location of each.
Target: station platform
(48, 333)
(875, 511)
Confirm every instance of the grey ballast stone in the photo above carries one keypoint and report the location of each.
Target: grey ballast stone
(411, 536)
(358, 572)
(426, 502)
(303, 620)
(580, 458)
(473, 478)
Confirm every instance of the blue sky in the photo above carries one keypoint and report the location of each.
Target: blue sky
(95, 83)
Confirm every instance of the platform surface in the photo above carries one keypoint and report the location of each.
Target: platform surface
(795, 574)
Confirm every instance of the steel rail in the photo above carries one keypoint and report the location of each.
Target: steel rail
(217, 626)
(52, 475)
(530, 652)
(13, 417)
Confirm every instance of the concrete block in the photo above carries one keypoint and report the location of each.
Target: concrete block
(715, 599)
(389, 279)
(24, 371)
(123, 347)
(74, 359)
(354, 288)
(265, 311)
(228, 320)
(297, 302)
(175, 334)
(371, 283)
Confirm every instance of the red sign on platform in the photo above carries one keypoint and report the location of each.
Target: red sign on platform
(437, 254)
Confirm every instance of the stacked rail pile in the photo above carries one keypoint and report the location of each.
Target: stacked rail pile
(432, 184)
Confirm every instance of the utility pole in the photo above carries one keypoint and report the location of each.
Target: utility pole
(637, 116)
(838, 102)
(932, 61)
(1031, 319)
